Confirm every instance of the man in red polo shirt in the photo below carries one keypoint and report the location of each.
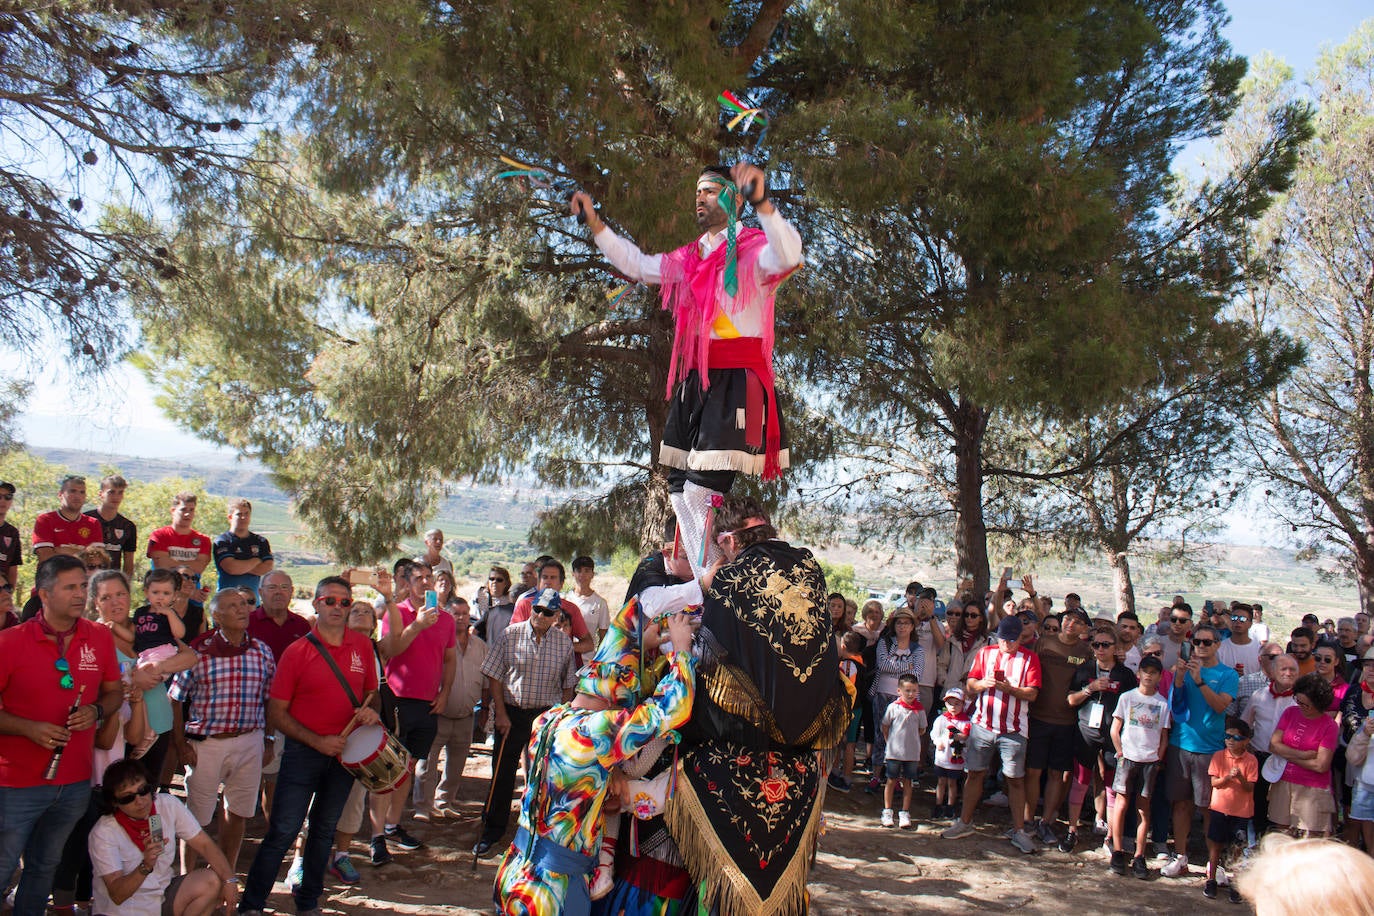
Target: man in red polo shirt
(309, 704)
(66, 530)
(179, 544)
(59, 678)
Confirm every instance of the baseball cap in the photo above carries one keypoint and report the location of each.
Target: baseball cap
(1010, 629)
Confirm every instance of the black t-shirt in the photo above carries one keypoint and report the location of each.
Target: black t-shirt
(11, 549)
(1121, 676)
(151, 630)
(118, 536)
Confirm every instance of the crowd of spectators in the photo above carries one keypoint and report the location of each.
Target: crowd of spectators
(1143, 734)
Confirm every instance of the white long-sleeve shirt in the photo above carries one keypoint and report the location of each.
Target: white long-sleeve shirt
(784, 253)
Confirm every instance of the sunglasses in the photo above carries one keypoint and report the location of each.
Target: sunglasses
(497, 579)
(1325, 659)
(335, 602)
(949, 614)
(1230, 737)
(1159, 653)
(1104, 645)
(1239, 618)
(1181, 619)
(128, 797)
(1204, 642)
(65, 681)
(546, 612)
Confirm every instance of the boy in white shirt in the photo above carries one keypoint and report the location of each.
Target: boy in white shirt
(1140, 732)
(903, 725)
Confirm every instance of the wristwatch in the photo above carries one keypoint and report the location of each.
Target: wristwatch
(144, 869)
(99, 714)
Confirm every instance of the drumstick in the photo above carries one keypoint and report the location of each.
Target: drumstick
(353, 722)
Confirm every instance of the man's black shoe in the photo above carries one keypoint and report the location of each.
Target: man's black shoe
(484, 846)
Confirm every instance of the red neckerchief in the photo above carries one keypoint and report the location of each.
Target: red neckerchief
(914, 706)
(955, 717)
(219, 647)
(1367, 687)
(60, 635)
(138, 830)
(1286, 693)
(967, 641)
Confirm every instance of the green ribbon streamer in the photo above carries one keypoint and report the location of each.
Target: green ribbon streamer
(727, 199)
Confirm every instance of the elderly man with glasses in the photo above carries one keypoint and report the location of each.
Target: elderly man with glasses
(531, 668)
(1263, 707)
(1203, 688)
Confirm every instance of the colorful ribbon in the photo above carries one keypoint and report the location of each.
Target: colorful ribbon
(537, 176)
(614, 296)
(742, 111)
(727, 199)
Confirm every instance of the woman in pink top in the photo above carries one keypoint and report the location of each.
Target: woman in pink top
(1306, 737)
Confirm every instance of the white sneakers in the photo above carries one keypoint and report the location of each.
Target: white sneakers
(887, 817)
(903, 820)
(1176, 867)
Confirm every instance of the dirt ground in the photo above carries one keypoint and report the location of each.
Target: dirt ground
(861, 869)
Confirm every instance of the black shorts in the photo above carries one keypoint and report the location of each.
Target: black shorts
(715, 429)
(411, 722)
(1226, 828)
(1051, 747)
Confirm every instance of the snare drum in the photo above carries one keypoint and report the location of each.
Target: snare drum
(376, 759)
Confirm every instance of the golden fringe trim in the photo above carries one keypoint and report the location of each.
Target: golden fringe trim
(708, 861)
(735, 693)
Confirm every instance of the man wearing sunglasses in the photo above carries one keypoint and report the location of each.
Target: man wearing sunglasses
(1240, 650)
(311, 707)
(1176, 637)
(531, 667)
(59, 679)
(1203, 688)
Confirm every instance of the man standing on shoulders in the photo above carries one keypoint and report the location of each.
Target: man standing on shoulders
(1203, 687)
(223, 742)
(242, 557)
(433, 557)
(596, 612)
(531, 668)
(312, 701)
(179, 544)
(421, 661)
(454, 736)
(120, 535)
(1005, 680)
(11, 547)
(65, 530)
(59, 680)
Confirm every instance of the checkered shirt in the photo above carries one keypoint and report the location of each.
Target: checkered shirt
(533, 673)
(227, 693)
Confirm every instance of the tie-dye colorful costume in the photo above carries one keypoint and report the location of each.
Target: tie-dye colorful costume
(572, 751)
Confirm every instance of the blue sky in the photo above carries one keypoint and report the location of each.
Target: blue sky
(116, 414)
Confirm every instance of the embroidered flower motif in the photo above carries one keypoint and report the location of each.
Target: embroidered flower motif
(644, 806)
(774, 789)
(717, 500)
(743, 760)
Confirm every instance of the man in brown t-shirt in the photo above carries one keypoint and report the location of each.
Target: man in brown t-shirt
(1053, 722)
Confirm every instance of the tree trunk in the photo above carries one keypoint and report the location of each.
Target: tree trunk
(1121, 581)
(970, 422)
(1364, 575)
(657, 511)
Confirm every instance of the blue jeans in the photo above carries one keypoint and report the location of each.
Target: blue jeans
(305, 773)
(34, 823)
